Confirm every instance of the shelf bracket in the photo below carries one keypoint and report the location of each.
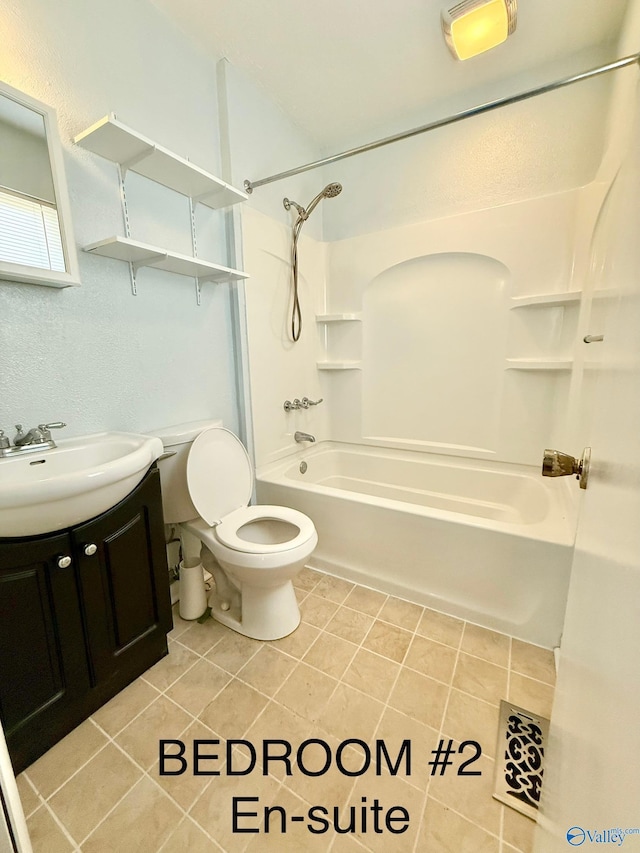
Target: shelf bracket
(137, 158)
(134, 266)
(134, 284)
(203, 278)
(194, 246)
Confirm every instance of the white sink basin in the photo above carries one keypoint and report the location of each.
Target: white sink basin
(73, 482)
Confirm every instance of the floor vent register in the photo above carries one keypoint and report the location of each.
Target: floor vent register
(522, 738)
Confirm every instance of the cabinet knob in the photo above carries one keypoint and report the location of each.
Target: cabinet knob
(90, 549)
(64, 562)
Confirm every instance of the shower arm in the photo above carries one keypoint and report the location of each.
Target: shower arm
(633, 59)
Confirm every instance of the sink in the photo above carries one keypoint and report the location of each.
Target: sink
(73, 482)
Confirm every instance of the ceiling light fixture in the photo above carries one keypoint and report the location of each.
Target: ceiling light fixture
(474, 26)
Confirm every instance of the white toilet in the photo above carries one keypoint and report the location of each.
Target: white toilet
(253, 552)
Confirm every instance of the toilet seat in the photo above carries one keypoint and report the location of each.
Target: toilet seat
(228, 531)
(220, 482)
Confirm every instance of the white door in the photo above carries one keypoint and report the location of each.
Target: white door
(13, 828)
(592, 779)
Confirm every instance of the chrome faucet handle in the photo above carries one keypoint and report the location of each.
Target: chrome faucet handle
(306, 402)
(44, 429)
(4, 440)
(19, 432)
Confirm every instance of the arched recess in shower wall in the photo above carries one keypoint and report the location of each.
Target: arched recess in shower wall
(433, 347)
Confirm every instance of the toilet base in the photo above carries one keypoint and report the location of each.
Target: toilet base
(266, 613)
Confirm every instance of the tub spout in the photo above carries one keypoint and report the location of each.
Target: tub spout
(303, 436)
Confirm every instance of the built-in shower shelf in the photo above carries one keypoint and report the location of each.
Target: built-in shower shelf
(339, 365)
(546, 300)
(539, 364)
(338, 318)
(143, 255)
(116, 142)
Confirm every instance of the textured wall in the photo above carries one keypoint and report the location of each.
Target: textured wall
(542, 146)
(95, 356)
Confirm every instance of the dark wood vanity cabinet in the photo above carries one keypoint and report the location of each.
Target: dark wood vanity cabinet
(43, 663)
(83, 612)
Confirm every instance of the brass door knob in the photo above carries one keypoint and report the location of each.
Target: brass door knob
(555, 463)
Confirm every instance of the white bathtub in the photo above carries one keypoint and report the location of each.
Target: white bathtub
(485, 541)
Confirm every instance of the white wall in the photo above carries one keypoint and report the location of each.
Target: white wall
(263, 141)
(505, 186)
(95, 356)
(541, 146)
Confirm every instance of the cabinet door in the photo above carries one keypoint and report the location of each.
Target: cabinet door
(43, 667)
(125, 586)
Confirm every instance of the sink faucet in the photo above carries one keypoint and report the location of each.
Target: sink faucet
(37, 438)
(22, 438)
(303, 436)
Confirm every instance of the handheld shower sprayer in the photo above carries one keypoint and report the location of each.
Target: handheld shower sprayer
(330, 191)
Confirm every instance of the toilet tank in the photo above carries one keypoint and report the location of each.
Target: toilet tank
(177, 440)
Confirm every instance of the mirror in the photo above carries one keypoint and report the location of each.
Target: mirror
(36, 238)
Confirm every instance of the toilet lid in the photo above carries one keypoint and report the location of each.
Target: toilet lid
(219, 474)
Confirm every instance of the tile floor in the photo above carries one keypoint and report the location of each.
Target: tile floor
(361, 665)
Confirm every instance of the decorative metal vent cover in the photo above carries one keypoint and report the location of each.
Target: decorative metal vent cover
(522, 736)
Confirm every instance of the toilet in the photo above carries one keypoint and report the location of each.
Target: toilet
(253, 552)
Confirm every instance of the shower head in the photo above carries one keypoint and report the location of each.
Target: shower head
(330, 191)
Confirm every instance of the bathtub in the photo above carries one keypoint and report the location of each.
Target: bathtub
(484, 541)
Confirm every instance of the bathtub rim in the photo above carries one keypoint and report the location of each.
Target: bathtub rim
(558, 527)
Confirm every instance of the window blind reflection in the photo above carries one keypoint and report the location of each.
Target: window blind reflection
(30, 232)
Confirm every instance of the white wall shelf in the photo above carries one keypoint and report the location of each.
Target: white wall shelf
(144, 255)
(339, 365)
(115, 141)
(546, 300)
(338, 318)
(539, 363)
